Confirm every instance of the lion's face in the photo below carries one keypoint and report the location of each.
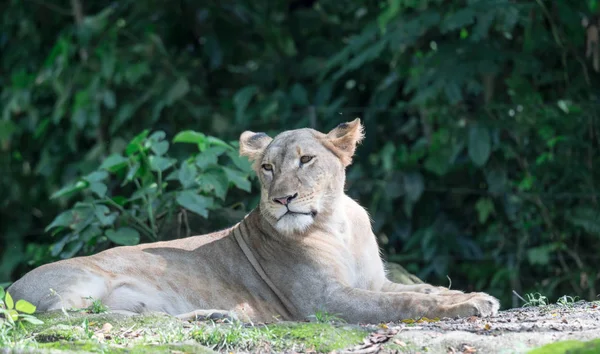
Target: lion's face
(301, 173)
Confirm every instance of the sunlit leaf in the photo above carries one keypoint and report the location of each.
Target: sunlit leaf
(14, 315)
(30, 319)
(189, 136)
(25, 307)
(69, 189)
(135, 144)
(8, 301)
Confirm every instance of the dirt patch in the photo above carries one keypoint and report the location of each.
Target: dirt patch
(513, 331)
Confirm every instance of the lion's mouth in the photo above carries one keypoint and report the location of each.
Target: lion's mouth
(312, 213)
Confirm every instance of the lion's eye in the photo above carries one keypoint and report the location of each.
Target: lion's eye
(267, 167)
(305, 159)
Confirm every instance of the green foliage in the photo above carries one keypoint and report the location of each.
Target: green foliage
(325, 317)
(569, 346)
(97, 306)
(320, 337)
(13, 315)
(139, 195)
(535, 299)
(480, 160)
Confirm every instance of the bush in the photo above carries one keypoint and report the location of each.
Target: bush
(139, 195)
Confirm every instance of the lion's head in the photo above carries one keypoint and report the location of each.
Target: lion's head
(302, 173)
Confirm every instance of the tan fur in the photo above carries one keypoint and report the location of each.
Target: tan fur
(271, 265)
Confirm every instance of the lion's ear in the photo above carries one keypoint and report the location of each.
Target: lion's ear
(344, 139)
(253, 144)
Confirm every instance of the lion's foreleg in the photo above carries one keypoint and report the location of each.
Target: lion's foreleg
(359, 305)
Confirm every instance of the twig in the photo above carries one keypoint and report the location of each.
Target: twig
(519, 296)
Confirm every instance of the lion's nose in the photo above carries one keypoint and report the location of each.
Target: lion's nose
(285, 200)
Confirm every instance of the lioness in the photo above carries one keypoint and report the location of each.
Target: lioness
(307, 247)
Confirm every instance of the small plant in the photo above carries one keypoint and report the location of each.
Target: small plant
(12, 313)
(86, 328)
(97, 306)
(535, 299)
(227, 337)
(325, 317)
(567, 301)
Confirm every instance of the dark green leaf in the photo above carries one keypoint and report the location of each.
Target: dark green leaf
(214, 180)
(159, 163)
(484, 207)
(64, 219)
(206, 158)
(125, 236)
(58, 247)
(241, 100)
(479, 144)
(113, 163)
(212, 141)
(109, 99)
(131, 173)
(187, 174)
(299, 95)
(157, 136)
(124, 114)
(496, 180)
(99, 189)
(238, 178)
(72, 188)
(190, 136)
(178, 90)
(96, 176)
(240, 162)
(197, 203)
(135, 144)
(7, 129)
(160, 148)
(414, 185)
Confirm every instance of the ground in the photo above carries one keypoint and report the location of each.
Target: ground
(524, 330)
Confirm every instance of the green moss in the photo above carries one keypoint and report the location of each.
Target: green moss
(74, 346)
(94, 347)
(72, 333)
(569, 347)
(321, 337)
(167, 348)
(60, 333)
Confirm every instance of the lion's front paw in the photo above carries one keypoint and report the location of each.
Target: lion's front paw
(478, 304)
